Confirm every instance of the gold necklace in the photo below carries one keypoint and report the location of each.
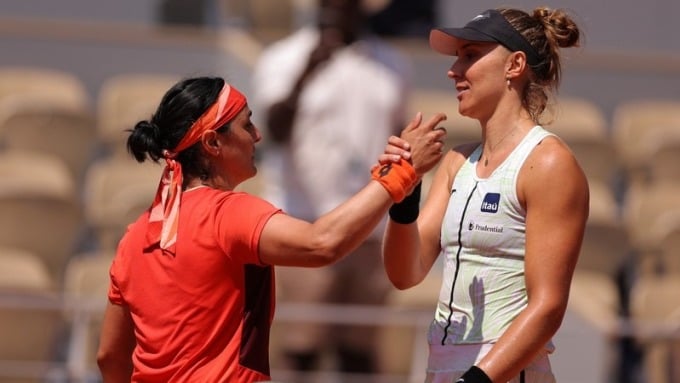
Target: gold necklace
(508, 134)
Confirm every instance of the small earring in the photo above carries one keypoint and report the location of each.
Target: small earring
(507, 80)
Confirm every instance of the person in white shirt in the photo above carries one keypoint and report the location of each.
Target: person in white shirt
(333, 94)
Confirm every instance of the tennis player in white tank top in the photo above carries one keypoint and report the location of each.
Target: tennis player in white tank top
(507, 214)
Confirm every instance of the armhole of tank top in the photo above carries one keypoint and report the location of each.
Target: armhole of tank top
(475, 152)
(538, 138)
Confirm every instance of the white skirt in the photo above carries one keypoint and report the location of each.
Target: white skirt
(448, 363)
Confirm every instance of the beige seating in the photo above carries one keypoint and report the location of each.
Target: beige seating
(125, 99)
(655, 307)
(603, 203)
(605, 251)
(645, 210)
(270, 20)
(116, 191)
(403, 348)
(669, 249)
(39, 215)
(662, 251)
(43, 84)
(23, 271)
(64, 131)
(30, 319)
(21, 170)
(639, 128)
(582, 125)
(663, 162)
(86, 284)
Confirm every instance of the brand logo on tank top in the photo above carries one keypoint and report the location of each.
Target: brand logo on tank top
(484, 227)
(490, 202)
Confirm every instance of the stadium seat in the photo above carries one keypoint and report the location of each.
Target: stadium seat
(403, 348)
(639, 128)
(597, 293)
(125, 99)
(40, 213)
(664, 161)
(582, 125)
(66, 132)
(25, 169)
(86, 284)
(655, 305)
(30, 319)
(116, 191)
(644, 209)
(42, 84)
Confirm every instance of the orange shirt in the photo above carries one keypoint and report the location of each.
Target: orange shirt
(204, 314)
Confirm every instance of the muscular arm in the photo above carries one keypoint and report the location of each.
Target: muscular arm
(288, 241)
(116, 344)
(554, 191)
(409, 250)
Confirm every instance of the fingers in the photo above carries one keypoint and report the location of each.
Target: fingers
(389, 158)
(398, 142)
(417, 124)
(414, 123)
(395, 150)
(439, 133)
(435, 120)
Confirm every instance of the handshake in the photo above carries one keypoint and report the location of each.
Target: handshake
(408, 157)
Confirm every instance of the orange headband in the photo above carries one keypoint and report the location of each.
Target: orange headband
(229, 103)
(164, 215)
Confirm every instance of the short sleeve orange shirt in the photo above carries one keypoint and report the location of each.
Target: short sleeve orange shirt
(204, 313)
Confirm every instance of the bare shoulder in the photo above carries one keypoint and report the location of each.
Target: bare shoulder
(551, 154)
(552, 164)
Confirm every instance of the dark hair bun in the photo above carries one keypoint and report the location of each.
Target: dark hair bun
(144, 141)
(559, 26)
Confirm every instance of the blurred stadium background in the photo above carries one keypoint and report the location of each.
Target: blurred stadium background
(75, 73)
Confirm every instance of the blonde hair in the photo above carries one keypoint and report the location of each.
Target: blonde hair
(547, 30)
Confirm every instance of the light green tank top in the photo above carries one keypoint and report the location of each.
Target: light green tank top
(483, 246)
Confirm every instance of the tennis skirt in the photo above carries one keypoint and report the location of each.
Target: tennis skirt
(448, 363)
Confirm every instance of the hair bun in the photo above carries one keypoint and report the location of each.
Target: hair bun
(559, 26)
(144, 140)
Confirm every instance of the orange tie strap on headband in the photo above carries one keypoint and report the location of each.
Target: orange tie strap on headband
(164, 215)
(396, 178)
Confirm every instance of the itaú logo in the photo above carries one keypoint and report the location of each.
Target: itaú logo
(490, 202)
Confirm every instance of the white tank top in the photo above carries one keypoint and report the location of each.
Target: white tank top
(483, 246)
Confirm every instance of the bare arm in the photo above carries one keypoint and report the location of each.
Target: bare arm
(554, 190)
(116, 343)
(410, 250)
(289, 241)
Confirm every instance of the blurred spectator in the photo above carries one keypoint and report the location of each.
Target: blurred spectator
(404, 18)
(199, 13)
(333, 94)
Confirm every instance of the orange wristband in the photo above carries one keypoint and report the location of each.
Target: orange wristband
(396, 178)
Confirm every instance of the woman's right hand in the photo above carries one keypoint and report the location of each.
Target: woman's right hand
(421, 143)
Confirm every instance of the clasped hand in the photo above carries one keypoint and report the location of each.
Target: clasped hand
(419, 143)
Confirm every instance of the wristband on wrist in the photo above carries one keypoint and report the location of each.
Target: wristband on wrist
(474, 375)
(396, 178)
(406, 211)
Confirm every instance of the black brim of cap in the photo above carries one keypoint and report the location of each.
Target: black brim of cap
(445, 40)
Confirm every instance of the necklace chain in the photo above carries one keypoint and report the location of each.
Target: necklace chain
(508, 134)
